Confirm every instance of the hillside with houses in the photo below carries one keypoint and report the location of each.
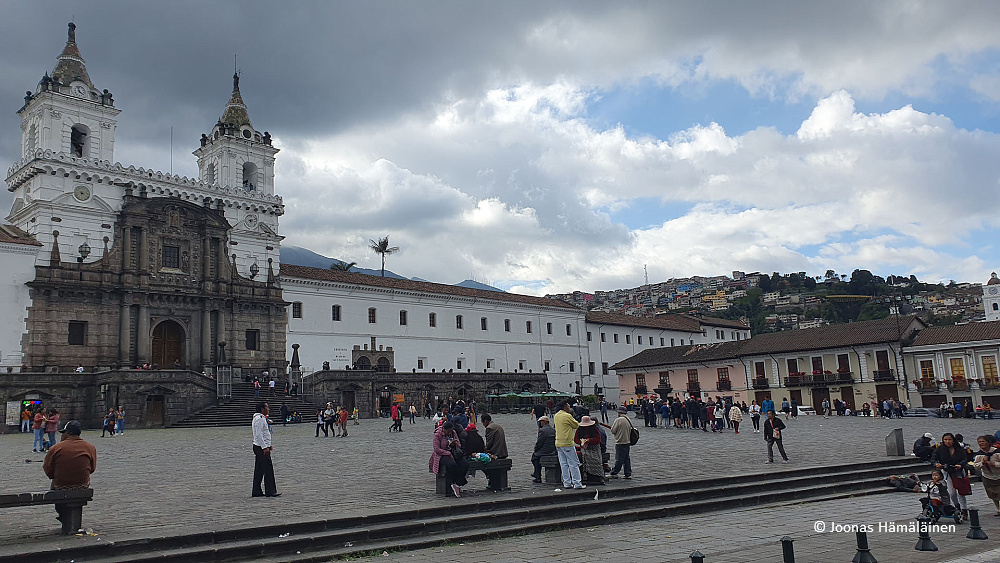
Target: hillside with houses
(776, 302)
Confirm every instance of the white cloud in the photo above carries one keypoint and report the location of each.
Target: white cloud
(526, 180)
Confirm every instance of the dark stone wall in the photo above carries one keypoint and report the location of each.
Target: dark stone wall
(370, 389)
(88, 396)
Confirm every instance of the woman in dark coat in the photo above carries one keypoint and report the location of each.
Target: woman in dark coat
(773, 430)
(472, 442)
(951, 459)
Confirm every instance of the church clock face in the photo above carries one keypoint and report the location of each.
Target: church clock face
(250, 221)
(81, 193)
(994, 291)
(79, 90)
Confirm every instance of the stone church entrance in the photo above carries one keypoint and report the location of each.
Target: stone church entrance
(168, 344)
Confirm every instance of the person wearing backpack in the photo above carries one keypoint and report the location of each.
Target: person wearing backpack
(621, 429)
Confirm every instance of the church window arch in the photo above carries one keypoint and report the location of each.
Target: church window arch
(996, 306)
(249, 176)
(79, 140)
(210, 173)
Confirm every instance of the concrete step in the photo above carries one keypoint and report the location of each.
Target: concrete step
(324, 539)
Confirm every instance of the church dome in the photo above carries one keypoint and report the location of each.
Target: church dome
(994, 280)
(236, 111)
(70, 66)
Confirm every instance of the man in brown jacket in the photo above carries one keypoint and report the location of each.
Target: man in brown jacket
(70, 462)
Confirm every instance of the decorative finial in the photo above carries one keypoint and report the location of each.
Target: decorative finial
(72, 32)
(236, 73)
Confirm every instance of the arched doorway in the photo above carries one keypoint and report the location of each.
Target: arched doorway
(168, 345)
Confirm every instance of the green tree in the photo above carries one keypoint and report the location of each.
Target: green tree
(340, 266)
(764, 283)
(382, 247)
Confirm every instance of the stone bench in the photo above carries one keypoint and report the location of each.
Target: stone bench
(553, 471)
(73, 499)
(496, 475)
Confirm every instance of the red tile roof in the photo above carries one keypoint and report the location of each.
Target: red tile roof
(305, 272)
(821, 338)
(13, 235)
(971, 332)
(681, 323)
(833, 336)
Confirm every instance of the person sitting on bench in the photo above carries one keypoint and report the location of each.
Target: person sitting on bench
(545, 444)
(70, 463)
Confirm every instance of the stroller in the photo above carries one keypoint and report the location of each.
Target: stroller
(935, 511)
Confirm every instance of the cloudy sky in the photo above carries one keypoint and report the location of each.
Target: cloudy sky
(557, 146)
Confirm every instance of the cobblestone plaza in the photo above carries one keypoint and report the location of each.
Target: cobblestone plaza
(171, 482)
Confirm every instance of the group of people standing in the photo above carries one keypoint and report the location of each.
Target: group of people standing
(955, 461)
(333, 418)
(43, 424)
(114, 422)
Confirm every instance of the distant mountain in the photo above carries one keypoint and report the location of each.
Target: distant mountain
(473, 284)
(304, 257)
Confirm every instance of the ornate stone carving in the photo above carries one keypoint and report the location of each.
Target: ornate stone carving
(55, 113)
(105, 125)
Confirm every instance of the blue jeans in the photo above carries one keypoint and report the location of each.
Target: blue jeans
(38, 439)
(52, 438)
(569, 462)
(623, 458)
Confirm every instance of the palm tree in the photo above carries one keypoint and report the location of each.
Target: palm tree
(382, 247)
(343, 266)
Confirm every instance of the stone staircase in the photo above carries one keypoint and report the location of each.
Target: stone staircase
(497, 516)
(239, 410)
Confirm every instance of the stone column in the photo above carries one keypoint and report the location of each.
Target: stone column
(142, 335)
(124, 329)
(206, 258)
(126, 248)
(206, 334)
(143, 251)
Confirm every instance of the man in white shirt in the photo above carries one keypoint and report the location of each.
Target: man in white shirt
(263, 469)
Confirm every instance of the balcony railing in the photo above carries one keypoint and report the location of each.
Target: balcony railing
(884, 375)
(761, 383)
(694, 387)
(990, 384)
(819, 379)
(957, 385)
(926, 385)
(724, 385)
(640, 389)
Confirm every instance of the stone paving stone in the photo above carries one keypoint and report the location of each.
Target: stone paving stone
(180, 481)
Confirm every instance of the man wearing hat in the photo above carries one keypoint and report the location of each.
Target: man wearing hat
(621, 429)
(923, 448)
(70, 462)
(545, 444)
